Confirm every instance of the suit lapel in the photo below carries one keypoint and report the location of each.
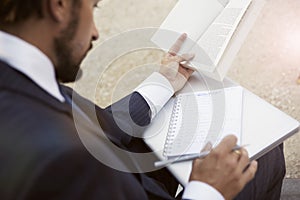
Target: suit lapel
(14, 81)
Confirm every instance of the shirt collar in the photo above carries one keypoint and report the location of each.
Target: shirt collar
(29, 60)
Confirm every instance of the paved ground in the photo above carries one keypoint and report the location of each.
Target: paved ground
(290, 189)
(268, 64)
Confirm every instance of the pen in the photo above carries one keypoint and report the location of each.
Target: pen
(184, 158)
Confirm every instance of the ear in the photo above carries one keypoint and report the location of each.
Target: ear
(59, 10)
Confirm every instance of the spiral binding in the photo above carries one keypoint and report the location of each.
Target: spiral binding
(171, 130)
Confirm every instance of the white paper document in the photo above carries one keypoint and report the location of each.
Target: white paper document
(209, 24)
(202, 117)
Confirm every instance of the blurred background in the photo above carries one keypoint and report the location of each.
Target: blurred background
(268, 64)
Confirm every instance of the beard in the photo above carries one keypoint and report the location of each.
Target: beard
(67, 70)
(67, 67)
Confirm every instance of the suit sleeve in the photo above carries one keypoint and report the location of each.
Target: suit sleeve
(134, 107)
(123, 121)
(126, 119)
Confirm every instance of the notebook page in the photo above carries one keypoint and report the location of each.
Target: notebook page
(202, 117)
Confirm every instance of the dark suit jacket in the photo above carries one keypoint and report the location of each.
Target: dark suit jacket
(42, 157)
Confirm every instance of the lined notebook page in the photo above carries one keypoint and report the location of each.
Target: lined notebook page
(201, 117)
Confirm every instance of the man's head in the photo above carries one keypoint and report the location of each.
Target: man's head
(62, 29)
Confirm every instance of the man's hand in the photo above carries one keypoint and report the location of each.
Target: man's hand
(225, 170)
(171, 67)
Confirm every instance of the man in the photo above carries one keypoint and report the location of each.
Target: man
(42, 157)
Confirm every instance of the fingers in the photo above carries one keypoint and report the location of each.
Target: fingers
(172, 56)
(237, 152)
(173, 63)
(246, 169)
(226, 145)
(176, 47)
(185, 72)
(207, 147)
(189, 72)
(171, 66)
(244, 159)
(249, 173)
(178, 59)
(224, 169)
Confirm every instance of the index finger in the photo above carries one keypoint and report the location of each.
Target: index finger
(177, 45)
(227, 144)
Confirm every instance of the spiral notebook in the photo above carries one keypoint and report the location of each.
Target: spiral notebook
(201, 117)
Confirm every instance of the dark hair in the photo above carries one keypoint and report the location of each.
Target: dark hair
(14, 11)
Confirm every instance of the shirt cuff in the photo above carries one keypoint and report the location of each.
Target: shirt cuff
(197, 190)
(156, 90)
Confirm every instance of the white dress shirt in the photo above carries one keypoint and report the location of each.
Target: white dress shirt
(29, 60)
(156, 90)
